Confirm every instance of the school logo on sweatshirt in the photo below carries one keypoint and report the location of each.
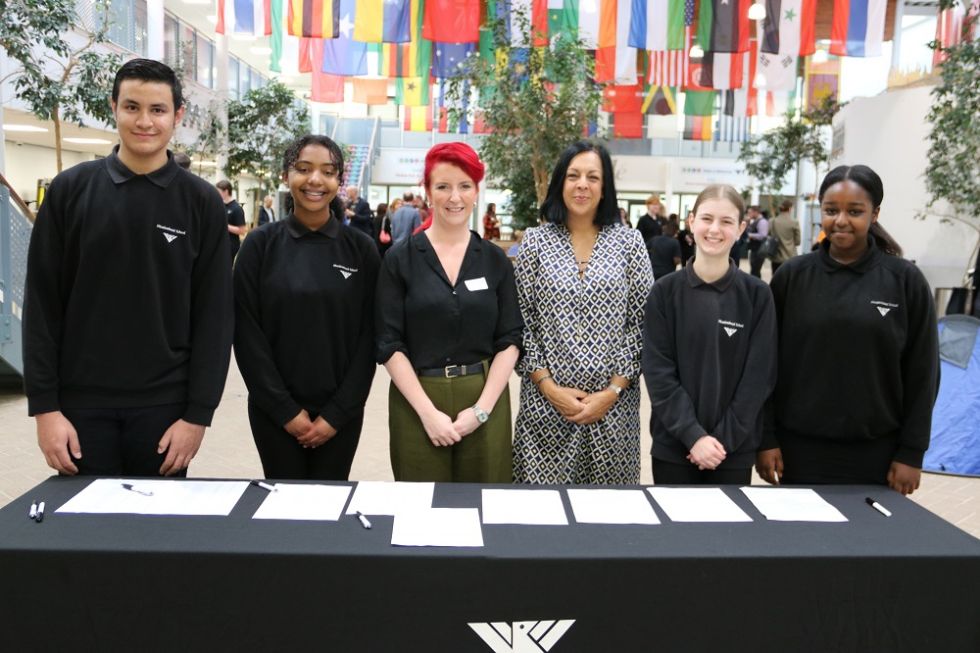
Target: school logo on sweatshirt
(522, 636)
(344, 270)
(731, 328)
(883, 307)
(170, 233)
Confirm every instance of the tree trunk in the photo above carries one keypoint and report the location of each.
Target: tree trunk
(56, 119)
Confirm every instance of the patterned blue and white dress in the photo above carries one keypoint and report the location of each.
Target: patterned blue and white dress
(584, 330)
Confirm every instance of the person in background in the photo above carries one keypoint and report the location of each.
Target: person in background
(650, 224)
(686, 239)
(128, 313)
(624, 218)
(449, 333)
(758, 231)
(425, 214)
(665, 251)
(358, 211)
(787, 230)
(304, 323)
(183, 160)
(491, 225)
(858, 351)
(709, 355)
(404, 219)
(266, 213)
(235, 216)
(582, 280)
(382, 228)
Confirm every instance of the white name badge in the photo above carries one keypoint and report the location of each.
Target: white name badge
(476, 284)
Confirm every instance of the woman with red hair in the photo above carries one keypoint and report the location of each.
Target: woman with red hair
(449, 331)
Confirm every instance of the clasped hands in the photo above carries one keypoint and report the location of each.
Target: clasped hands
(310, 433)
(578, 406)
(707, 452)
(443, 431)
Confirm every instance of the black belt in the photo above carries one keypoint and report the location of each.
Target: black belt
(452, 371)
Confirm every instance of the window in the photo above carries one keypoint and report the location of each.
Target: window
(188, 50)
(170, 26)
(233, 88)
(245, 80)
(205, 61)
(127, 24)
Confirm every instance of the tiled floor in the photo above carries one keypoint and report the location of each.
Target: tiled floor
(228, 452)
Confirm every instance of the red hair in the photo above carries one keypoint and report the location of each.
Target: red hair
(460, 155)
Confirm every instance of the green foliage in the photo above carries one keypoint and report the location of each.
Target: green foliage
(771, 156)
(953, 166)
(56, 81)
(535, 102)
(260, 127)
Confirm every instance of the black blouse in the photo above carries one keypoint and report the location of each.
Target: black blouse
(436, 324)
(304, 304)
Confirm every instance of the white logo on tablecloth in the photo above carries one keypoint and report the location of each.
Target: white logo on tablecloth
(522, 636)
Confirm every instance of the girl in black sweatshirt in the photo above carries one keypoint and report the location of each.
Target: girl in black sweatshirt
(709, 355)
(858, 352)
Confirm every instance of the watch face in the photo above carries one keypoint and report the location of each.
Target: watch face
(481, 415)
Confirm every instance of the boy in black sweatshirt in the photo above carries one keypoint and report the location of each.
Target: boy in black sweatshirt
(128, 313)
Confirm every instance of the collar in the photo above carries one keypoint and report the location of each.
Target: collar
(721, 285)
(422, 243)
(296, 229)
(120, 174)
(866, 262)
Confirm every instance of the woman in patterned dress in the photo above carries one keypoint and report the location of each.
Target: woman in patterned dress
(582, 280)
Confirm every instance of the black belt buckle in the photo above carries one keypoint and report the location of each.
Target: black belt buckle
(452, 371)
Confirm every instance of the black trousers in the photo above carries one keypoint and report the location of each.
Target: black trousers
(122, 441)
(756, 260)
(666, 473)
(284, 458)
(813, 461)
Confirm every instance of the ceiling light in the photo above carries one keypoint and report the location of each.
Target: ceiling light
(86, 141)
(757, 11)
(24, 129)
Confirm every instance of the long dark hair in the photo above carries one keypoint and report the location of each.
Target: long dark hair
(553, 209)
(868, 180)
(292, 154)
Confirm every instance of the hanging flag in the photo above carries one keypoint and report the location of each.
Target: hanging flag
(588, 22)
(697, 128)
(949, 28)
(370, 91)
(563, 17)
(244, 17)
(284, 57)
(343, 55)
(732, 129)
(458, 123)
(790, 27)
(388, 21)
(418, 119)
(716, 70)
(699, 103)
(723, 25)
(658, 101)
(479, 123)
(411, 59)
(778, 71)
(657, 25)
(325, 87)
(627, 125)
(452, 21)
(622, 98)
(318, 19)
(858, 28)
(615, 61)
(536, 14)
(821, 81)
(412, 91)
(449, 59)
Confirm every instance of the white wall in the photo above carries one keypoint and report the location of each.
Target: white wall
(28, 163)
(890, 133)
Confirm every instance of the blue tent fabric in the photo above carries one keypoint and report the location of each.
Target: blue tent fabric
(955, 444)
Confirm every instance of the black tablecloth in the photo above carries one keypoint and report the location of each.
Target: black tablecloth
(145, 583)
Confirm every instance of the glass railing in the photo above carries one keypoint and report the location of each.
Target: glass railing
(16, 222)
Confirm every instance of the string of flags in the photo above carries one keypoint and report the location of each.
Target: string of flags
(651, 56)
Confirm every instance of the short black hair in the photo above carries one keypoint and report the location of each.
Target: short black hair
(224, 185)
(149, 70)
(870, 181)
(292, 154)
(183, 160)
(553, 208)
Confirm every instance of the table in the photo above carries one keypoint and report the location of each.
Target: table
(137, 583)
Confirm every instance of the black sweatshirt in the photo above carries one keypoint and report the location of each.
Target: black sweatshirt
(709, 361)
(128, 292)
(304, 319)
(858, 356)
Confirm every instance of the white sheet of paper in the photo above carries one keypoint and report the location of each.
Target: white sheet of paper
(437, 527)
(534, 507)
(792, 504)
(386, 498)
(107, 496)
(304, 502)
(611, 507)
(699, 504)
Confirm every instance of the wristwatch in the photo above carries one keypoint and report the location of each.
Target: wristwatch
(615, 388)
(481, 415)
